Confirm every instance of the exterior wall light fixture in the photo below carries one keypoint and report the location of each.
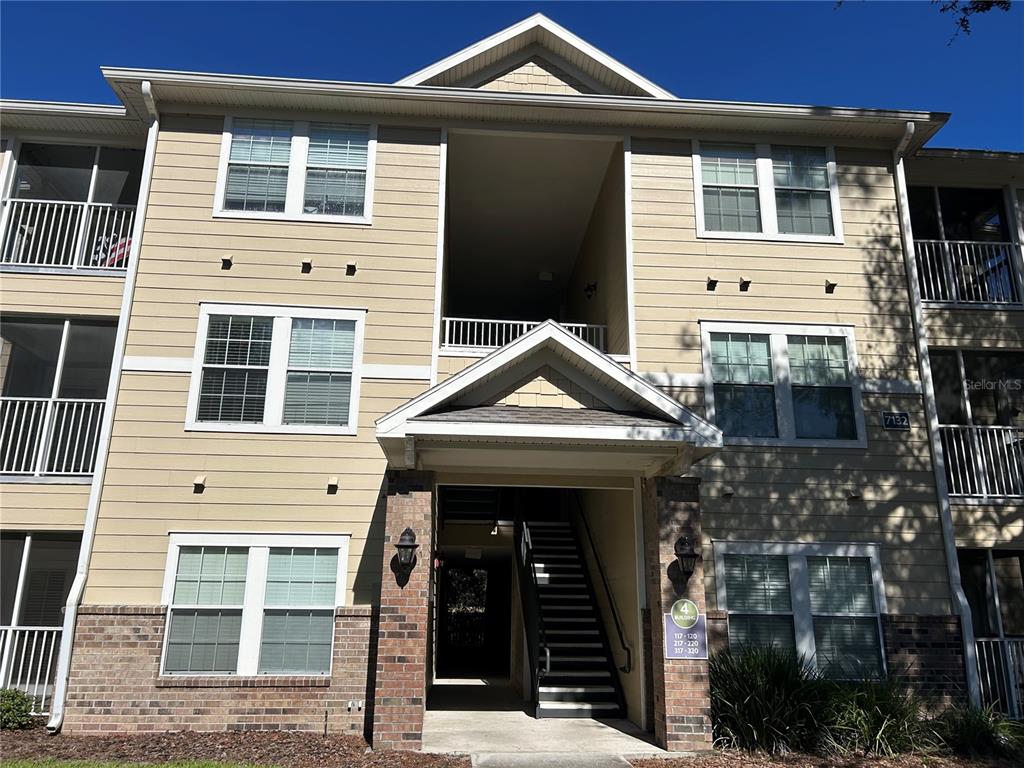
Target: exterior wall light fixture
(686, 561)
(407, 547)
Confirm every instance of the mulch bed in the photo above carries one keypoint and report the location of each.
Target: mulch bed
(735, 759)
(283, 749)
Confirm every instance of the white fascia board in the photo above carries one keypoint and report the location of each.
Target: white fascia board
(61, 108)
(569, 433)
(549, 331)
(536, 21)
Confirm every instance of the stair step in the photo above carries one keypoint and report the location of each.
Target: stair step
(579, 673)
(588, 659)
(577, 709)
(577, 689)
(575, 645)
(574, 619)
(571, 632)
(548, 524)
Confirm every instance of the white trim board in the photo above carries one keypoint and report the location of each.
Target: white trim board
(156, 364)
(396, 372)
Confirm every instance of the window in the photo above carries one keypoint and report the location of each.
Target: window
(823, 601)
(252, 604)
(761, 191)
(276, 369)
(794, 384)
(283, 169)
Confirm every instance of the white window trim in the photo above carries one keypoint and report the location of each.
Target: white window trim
(278, 369)
(766, 198)
(782, 386)
(259, 545)
(296, 179)
(799, 589)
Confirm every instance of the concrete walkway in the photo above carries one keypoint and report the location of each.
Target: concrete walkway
(487, 720)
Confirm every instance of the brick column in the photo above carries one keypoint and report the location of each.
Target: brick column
(682, 700)
(402, 650)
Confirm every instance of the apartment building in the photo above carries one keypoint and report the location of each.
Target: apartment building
(322, 400)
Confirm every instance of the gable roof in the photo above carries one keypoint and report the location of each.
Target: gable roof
(628, 391)
(528, 37)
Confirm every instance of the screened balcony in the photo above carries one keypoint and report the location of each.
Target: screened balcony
(71, 207)
(980, 398)
(55, 377)
(962, 244)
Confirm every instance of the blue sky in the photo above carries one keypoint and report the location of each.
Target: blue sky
(864, 54)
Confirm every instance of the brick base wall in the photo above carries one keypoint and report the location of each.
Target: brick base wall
(927, 652)
(115, 685)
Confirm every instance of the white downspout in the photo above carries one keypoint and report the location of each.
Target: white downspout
(931, 410)
(107, 426)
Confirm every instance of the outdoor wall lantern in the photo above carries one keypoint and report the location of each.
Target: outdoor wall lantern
(590, 290)
(406, 547)
(686, 561)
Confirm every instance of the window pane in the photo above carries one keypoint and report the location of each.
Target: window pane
(231, 394)
(840, 585)
(211, 575)
(296, 642)
(255, 188)
(728, 164)
(54, 172)
(338, 146)
(334, 192)
(741, 358)
(818, 360)
(29, 353)
(87, 358)
(745, 411)
(824, 412)
(118, 176)
(757, 583)
(800, 167)
(203, 641)
(730, 209)
(762, 631)
(317, 398)
(322, 344)
(802, 212)
(848, 648)
(238, 340)
(261, 141)
(302, 577)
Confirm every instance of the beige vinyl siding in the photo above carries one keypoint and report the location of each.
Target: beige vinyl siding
(989, 525)
(65, 295)
(449, 365)
(536, 76)
(797, 494)
(43, 506)
(261, 482)
(974, 328)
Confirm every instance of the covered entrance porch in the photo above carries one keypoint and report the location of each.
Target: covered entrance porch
(544, 534)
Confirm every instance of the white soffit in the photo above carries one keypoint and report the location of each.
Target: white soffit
(537, 30)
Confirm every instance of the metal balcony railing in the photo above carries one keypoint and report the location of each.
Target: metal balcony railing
(67, 235)
(1001, 674)
(28, 662)
(474, 334)
(42, 436)
(968, 272)
(984, 462)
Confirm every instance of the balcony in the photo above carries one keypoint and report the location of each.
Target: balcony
(984, 463)
(1001, 675)
(54, 375)
(465, 335)
(71, 208)
(967, 273)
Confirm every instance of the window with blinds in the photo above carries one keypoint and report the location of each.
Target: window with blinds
(221, 623)
(729, 174)
(276, 369)
(319, 383)
(842, 602)
(803, 201)
(760, 610)
(205, 620)
(744, 384)
(296, 169)
(822, 395)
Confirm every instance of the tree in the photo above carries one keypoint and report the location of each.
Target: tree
(963, 10)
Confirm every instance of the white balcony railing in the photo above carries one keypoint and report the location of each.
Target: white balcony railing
(1001, 674)
(40, 436)
(967, 272)
(67, 235)
(984, 462)
(473, 334)
(28, 662)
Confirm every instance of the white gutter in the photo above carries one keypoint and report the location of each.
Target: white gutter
(931, 410)
(107, 426)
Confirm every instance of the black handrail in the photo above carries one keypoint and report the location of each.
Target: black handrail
(628, 666)
(533, 618)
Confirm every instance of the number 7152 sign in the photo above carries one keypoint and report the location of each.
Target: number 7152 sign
(896, 420)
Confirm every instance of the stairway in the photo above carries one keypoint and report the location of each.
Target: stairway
(582, 681)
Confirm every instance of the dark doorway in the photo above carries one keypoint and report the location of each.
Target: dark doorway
(475, 618)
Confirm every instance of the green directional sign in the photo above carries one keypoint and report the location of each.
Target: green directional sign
(684, 613)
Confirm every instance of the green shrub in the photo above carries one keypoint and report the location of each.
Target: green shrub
(766, 699)
(973, 732)
(881, 718)
(15, 709)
